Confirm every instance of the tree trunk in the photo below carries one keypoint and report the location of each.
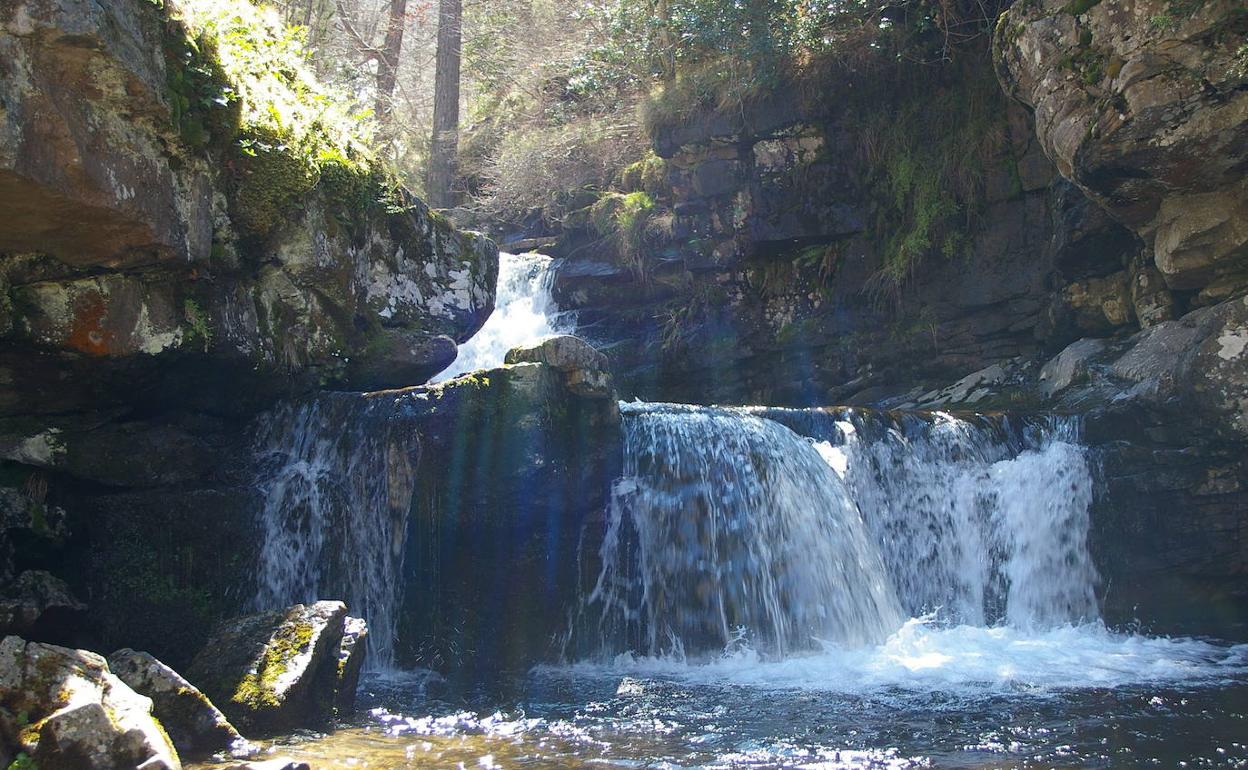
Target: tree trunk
(444, 145)
(666, 43)
(388, 60)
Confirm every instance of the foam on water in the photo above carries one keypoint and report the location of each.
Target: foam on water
(961, 660)
(524, 312)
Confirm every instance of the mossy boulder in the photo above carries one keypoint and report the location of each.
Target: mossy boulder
(274, 671)
(64, 710)
(196, 727)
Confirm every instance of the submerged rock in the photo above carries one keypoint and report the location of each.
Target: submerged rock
(278, 763)
(64, 710)
(274, 671)
(196, 727)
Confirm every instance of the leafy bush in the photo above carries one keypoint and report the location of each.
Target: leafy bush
(551, 169)
(240, 83)
(625, 219)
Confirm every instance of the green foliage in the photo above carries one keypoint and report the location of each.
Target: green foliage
(23, 761)
(625, 219)
(239, 80)
(648, 175)
(198, 327)
(1077, 7)
(925, 143)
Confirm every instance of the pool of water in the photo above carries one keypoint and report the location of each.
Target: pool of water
(960, 697)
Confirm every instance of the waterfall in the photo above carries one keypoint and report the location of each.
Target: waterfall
(727, 527)
(789, 529)
(981, 520)
(336, 479)
(524, 313)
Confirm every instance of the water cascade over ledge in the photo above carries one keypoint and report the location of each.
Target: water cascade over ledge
(524, 313)
(336, 477)
(785, 530)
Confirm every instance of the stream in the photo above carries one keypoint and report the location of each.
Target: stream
(828, 588)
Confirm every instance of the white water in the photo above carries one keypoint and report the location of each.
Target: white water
(977, 523)
(734, 556)
(336, 482)
(923, 656)
(728, 528)
(524, 313)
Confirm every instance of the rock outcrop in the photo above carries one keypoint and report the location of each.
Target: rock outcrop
(1142, 103)
(171, 265)
(276, 670)
(194, 725)
(516, 468)
(64, 710)
(128, 247)
(771, 283)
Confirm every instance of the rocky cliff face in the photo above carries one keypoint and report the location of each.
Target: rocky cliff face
(166, 271)
(1142, 103)
(772, 283)
(1108, 230)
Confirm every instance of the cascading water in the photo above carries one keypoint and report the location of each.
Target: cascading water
(336, 479)
(524, 313)
(729, 526)
(981, 520)
(336, 473)
(726, 524)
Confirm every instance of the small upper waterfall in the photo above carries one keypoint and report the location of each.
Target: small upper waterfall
(524, 312)
(336, 476)
(789, 528)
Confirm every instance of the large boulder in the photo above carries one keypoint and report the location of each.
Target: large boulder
(195, 726)
(584, 368)
(1142, 104)
(274, 671)
(64, 710)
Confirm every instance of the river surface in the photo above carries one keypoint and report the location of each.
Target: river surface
(960, 697)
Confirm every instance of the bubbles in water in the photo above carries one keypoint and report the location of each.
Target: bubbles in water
(524, 312)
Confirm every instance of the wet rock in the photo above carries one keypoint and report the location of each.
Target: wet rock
(1143, 106)
(584, 367)
(64, 710)
(565, 353)
(38, 605)
(194, 725)
(273, 671)
(1071, 366)
(352, 651)
(516, 467)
